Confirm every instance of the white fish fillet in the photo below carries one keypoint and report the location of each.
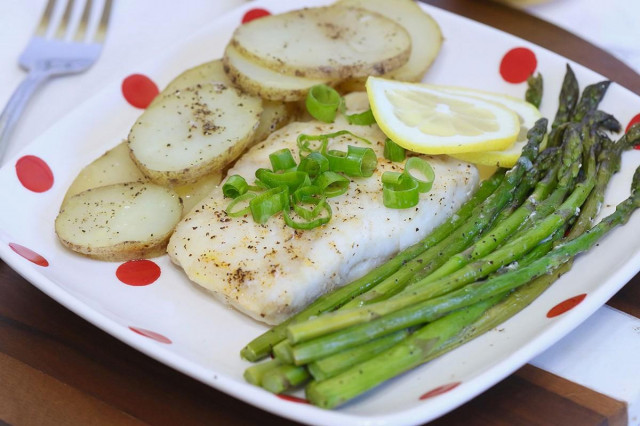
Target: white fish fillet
(272, 271)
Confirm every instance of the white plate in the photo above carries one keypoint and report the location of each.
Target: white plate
(206, 336)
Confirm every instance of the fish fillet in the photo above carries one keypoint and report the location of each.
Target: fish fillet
(272, 271)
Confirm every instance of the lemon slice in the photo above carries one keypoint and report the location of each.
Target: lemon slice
(527, 114)
(426, 119)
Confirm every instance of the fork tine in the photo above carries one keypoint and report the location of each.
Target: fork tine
(64, 22)
(101, 31)
(43, 25)
(84, 22)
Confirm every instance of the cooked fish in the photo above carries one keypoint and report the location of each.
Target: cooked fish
(271, 271)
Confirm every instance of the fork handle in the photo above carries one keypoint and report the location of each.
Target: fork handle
(16, 104)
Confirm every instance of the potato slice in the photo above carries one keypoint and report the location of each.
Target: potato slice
(119, 222)
(114, 166)
(325, 42)
(261, 81)
(275, 114)
(193, 132)
(426, 37)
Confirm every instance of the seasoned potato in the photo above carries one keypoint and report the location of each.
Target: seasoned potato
(114, 166)
(426, 37)
(119, 222)
(193, 132)
(325, 42)
(261, 81)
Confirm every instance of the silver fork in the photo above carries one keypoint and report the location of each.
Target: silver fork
(46, 57)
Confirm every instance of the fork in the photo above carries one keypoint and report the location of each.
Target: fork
(50, 56)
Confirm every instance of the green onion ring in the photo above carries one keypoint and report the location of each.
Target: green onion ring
(235, 186)
(310, 224)
(401, 195)
(365, 118)
(239, 199)
(304, 139)
(393, 151)
(306, 194)
(282, 160)
(332, 183)
(323, 102)
(423, 167)
(357, 161)
(292, 180)
(314, 164)
(269, 203)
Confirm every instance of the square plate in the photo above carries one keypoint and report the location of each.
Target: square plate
(176, 323)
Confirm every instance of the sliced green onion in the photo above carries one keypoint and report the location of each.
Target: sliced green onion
(357, 161)
(332, 183)
(235, 186)
(307, 194)
(304, 140)
(316, 200)
(315, 222)
(323, 102)
(393, 151)
(392, 178)
(282, 160)
(314, 164)
(423, 167)
(401, 195)
(237, 200)
(269, 203)
(292, 180)
(365, 118)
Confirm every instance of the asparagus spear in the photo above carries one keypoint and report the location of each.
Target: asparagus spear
(533, 95)
(255, 373)
(430, 310)
(591, 97)
(569, 94)
(262, 345)
(283, 377)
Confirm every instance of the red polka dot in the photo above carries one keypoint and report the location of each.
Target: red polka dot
(518, 64)
(29, 254)
(440, 390)
(138, 272)
(139, 90)
(565, 306)
(254, 14)
(151, 335)
(34, 174)
(292, 398)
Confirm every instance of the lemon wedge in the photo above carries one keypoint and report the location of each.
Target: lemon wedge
(426, 119)
(527, 114)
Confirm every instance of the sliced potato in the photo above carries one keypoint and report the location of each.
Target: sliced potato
(119, 222)
(325, 42)
(193, 132)
(426, 37)
(275, 114)
(261, 81)
(114, 166)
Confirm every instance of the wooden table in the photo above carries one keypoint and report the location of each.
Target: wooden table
(56, 368)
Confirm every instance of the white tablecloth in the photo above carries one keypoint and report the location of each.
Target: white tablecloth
(601, 354)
